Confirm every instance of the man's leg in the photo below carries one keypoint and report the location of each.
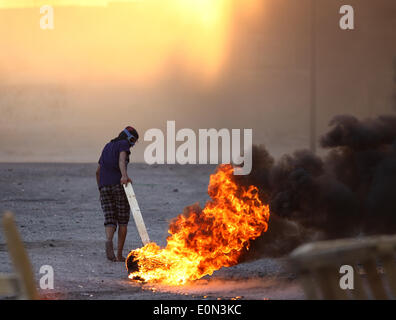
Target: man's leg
(109, 208)
(123, 213)
(122, 232)
(110, 230)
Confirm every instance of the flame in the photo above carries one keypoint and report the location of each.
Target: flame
(204, 240)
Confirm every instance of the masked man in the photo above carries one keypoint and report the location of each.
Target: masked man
(110, 176)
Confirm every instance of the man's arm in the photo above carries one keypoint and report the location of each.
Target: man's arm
(98, 175)
(123, 168)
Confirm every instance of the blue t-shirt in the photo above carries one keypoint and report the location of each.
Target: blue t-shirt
(110, 173)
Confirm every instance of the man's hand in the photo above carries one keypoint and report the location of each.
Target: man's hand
(125, 180)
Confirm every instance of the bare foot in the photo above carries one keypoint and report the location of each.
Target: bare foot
(110, 251)
(120, 259)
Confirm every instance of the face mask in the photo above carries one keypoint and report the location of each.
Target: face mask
(131, 138)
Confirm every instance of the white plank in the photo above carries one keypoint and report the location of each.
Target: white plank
(137, 215)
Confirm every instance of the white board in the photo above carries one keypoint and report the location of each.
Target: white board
(137, 215)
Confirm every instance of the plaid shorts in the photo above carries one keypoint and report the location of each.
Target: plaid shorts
(115, 205)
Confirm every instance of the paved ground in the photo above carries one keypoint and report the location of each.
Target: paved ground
(58, 213)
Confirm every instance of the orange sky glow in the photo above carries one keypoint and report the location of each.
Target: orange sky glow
(117, 41)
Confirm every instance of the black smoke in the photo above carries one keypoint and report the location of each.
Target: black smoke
(349, 192)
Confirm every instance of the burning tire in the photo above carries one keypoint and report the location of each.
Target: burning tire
(203, 240)
(131, 264)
